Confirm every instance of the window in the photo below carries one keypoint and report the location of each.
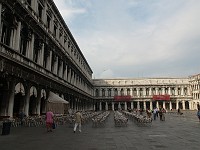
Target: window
(147, 92)
(185, 91)
(103, 92)
(173, 91)
(109, 92)
(97, 93)
(134, 92)
(122, 92)
(48, 22)
(166, 90)
(140, 92)
(128, 92)
(55, 30)
(154, 91)
(179, 91)
(115, 92)
(40, 8)
(159, 91)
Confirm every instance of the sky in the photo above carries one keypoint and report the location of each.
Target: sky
(136, 38)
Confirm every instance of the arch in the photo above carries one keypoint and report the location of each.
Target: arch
(18, 104)
(180, 105)
(32, 105)
(19, 88)
(103, 105)
(109, 106)
(187, 105)
(33, 91)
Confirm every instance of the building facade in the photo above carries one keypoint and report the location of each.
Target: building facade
(145, 93)
(39, 55)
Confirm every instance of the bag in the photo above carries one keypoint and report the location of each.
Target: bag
(53, 125)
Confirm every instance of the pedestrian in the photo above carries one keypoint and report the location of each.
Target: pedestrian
(21, 117)
(154, 113)
(198, 114)
(148, 113)
(161, 114)
(78, 119)
(49, 120)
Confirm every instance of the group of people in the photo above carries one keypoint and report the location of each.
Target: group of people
(156, 113)
(50, 124)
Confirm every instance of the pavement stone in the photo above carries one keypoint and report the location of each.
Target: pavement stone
(177, 132)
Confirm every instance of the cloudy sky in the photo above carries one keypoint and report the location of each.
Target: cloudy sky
(136, 38)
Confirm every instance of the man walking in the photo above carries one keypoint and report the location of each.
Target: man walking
(78, 118)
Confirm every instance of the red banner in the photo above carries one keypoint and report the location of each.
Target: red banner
(161, 97)
(122, 98)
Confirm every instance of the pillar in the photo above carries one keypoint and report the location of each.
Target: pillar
(138, 105)
(100, 106)
(106, 106)
(38, 102)
(11, 97)
(125, 105)
(164, 104)
(144, 104)
(132, 105)
(170, 105)
(113, 106)
(18, 36)
(151, 105)
(183, 104)
(177, 104)
(27, 100)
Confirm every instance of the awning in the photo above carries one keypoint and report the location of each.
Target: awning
(53, 98)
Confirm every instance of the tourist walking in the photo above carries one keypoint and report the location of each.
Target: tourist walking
(154, 113)
(78, 119)
(49, 120)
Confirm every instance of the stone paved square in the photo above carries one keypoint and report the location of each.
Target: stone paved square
(177, 132)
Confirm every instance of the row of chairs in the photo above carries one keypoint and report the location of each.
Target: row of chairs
(139, 119)
(119, 119)
(100, 119)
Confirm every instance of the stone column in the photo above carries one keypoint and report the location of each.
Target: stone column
(170, 105)
(56, 66)
(42, 55)
(11, 98)
(169, 92)
(49, 59)
(157, 105)
(38, 101)
(31, 47)
(164, 104)
(125, 105)
(106, 106)
(27, 100)
(119, 106)
(17, 40)
(138, 105)
(150, 91)
(183, 104)
(61, 69)
(144, 104)
(132, 105)
(151, 105)
(100, 106)
(177, 104)
(113, 106)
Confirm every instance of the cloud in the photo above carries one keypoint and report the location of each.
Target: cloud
(135, 38)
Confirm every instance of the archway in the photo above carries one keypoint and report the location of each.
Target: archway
(180, 105)
(32, 105)
(109, 106)
(116, 106)
(18, 104)
(187, 105)
(148, 105)
(103, 106)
